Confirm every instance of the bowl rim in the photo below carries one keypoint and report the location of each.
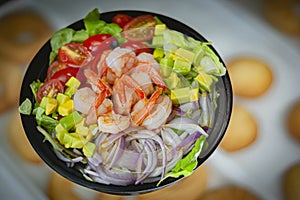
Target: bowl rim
(42, 148)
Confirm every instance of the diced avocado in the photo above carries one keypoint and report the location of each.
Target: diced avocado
(159, 29)
(158, 53)
(70, 91)
(204, 81)
(167, 62)
(184, 95)
(158, 41)
(194, 94)
(70, 120)
(184, 55)
(62, 98)
(165, 71)
(60, 132)
(182, 67)
(66, 108)
(172, 81)
(44, 102)
(73, 82)
(82, 130)
(49, 104)
(89, 149)
(170, 54)
(71, 140)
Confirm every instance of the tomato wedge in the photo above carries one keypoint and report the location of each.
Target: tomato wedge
(65, 74)
(137, 47)
(74, 54)
(52, 87)
(121, 19)
(140, 28)
(98, 42)
(54, 67)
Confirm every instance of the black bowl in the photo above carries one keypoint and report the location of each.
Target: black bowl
(38, 69)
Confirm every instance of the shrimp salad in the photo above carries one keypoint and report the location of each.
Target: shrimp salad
(132, 101)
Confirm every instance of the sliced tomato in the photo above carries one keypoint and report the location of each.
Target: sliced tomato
(52, 87)
(140, 28)
(137, 47)
(98, 42)
(121, 19)
(74, 54)
(65, 74)
(54, 67)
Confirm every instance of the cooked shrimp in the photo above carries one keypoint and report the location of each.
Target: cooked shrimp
(113, 123)
(144, 80)
(148, 59)
(98, 84)
(159, 114)
(121, 60)
(143, 108)
(123, 94)
(152, 72)
(84, 99)
(101, 65)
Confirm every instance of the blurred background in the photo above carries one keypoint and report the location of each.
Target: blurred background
(259, 42)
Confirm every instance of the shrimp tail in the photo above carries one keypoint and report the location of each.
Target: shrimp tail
(139, 117)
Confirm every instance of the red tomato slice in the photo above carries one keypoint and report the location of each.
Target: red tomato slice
(121, 19)
(54, 67)
(65, 74)
(137, 47)
(74, 54)
(53, 85)
(99, 41)
(140, 28)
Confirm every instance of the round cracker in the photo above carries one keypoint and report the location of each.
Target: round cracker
(11, 76)
(61, 188)
(293, 121)
(250, 77)
(189, 188)
(242, 130)
(291, 183)
(18, 140)
(229, 192)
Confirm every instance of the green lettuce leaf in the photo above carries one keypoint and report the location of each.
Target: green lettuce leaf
(186, 165)
(26, 107)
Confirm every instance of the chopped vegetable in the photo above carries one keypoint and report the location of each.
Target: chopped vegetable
(186, 165)
(108, 76)
(26, 107)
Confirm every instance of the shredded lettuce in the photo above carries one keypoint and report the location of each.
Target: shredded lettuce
(186, 165)
(93, 25)
(26, 107)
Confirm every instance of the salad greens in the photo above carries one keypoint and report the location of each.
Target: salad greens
(189, 68)
(186, 165)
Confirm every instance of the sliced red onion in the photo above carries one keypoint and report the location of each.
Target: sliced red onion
(190, 128)
(147, 134)
(170, 138)
(178, 111)
(171, 164)
(118, 153)
(151, 161)
(69, 162)
(121, 177)
(128, 160)
(182, 120)
(96, 159)
(186, 143)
